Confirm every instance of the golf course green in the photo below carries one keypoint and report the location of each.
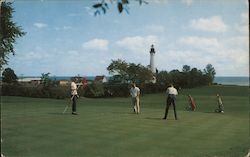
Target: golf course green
(107, 127)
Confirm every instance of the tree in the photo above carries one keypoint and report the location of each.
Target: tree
(103, 5)
(163, 78)
(129, 71)
(9, 76)
(210, 73)
(9, 31)
(119, 67)
(186, 68)
(46, 81)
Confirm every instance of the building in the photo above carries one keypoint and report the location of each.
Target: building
(64, 82)
(101, 79)
(152, 61)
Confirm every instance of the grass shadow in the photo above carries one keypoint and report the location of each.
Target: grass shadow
(154, 118)
(209, 112)
(123, 113)
(59, 113)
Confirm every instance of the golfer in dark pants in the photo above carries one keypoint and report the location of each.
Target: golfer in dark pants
(74, 96)
(171, 99)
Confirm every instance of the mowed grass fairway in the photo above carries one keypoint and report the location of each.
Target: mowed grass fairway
(106, 127)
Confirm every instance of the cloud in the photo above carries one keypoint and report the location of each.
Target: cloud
(63, 28)
(229, 56)
(40, 25)
(155, 28)
(187, 2)
(237, 42)
(138, 44)
(96, 44)
(202, 43)
(157, 1)
(212, 24)
(243, 27)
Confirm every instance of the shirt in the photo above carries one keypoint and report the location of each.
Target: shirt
(171, 90)
(134, 92)
(73, 88)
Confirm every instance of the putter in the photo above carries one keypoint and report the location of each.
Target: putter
(67, 106)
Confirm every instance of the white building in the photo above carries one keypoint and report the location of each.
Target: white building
(152, 61)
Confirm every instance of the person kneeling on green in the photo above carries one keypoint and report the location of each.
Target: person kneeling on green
(171, 99)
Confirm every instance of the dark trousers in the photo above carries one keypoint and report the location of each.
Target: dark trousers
(170, 100)
(74, 98)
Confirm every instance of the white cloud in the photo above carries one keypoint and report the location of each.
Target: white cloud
(96, 44)
(201, 43)
(40, 25)
(229, 56)
(157, 1)
(243, 27)
(138, 44)
(237, 41)
(63, 28)
(187, 2)
(212, 24)
(155, 28)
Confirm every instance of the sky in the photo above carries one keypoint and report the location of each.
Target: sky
(64, 37)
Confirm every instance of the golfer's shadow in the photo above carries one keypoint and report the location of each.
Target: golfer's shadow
(123, 113)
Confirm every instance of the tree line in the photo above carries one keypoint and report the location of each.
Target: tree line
(188, 77)
(123, 74)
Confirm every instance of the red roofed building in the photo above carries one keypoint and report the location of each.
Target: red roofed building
(101, 79)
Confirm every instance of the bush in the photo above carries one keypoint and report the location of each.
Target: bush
(59, 92)
(94, 90)
(117, 90)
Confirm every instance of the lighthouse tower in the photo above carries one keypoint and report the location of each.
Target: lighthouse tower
(152, 61)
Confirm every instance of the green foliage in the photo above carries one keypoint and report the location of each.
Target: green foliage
(9, 31)
(103, 5)
(117, 90)
(58, 92)
(188, 78)
(128, 72)
(210, 73)
(119, 67)
(95, 89)
(9, 76)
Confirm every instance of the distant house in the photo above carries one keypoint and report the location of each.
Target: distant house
(64, 82)
(101, 79)
(30, 80)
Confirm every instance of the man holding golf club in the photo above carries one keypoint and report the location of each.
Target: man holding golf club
(74, 95)
(171, 98)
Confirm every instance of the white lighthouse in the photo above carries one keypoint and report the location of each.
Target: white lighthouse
(152, 61)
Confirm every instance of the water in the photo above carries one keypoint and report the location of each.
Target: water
(241, 81)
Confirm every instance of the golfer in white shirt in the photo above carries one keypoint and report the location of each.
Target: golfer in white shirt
(135, 94)
(171, 98)
(74, 95)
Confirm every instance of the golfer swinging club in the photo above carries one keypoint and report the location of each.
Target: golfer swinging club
(74, 95)
(171, 98)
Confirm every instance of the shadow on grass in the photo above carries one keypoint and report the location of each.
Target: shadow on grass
(154, 118)
(209, 112)
(59, 113)
(123, 113)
